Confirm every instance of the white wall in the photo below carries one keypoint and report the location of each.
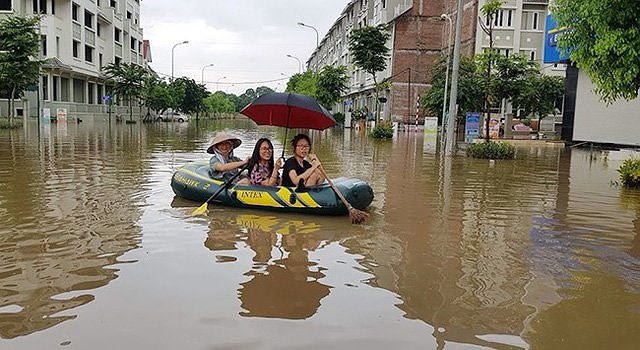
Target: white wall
(617, 123)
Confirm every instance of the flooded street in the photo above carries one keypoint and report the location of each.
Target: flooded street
(541, 252)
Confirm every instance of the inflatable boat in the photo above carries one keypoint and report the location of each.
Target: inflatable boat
(192, 181)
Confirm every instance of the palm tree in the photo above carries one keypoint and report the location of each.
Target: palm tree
(128, 81)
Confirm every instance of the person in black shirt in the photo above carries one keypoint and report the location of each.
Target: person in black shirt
(297, 170)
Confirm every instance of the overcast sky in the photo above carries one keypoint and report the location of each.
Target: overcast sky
(245, 40)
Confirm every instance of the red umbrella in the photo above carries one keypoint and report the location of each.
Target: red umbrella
(289, 110)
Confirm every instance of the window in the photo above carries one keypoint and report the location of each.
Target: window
(112, 3)
(43, 6)
(39, 6)
(100, 60)
(90, 93)
(133, 44)
(74, 11)
(5, 5)
(58, 46)
(55, 87)
(532, 55)
(88, 19)
(53, 7)
(45, 87)
(43, 43)
(128, 15)
(536, 17)
(116, 34)
(117, 61)
(75, 48)
(88, 53)
(98, 29)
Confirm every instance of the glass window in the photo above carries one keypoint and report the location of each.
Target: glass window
(5, 5)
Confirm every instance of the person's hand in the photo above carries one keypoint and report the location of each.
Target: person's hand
(279, 164)
(244, 162)
(313, 159)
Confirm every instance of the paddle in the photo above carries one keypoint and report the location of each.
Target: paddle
(357, 216)
(201, 210)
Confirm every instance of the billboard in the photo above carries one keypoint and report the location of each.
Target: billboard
(551, 52)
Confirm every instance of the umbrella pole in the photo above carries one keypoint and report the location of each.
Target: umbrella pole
(284, 144)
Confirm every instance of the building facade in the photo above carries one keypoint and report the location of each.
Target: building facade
(79, 38)
(419, 37)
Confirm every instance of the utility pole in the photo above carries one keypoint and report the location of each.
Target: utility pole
(453, 97)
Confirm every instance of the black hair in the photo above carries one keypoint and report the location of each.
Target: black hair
(255, 157)
(299, 137)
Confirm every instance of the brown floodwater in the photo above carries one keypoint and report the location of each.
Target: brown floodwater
(96, 252)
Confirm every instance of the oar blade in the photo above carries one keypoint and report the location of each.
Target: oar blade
(201, 210)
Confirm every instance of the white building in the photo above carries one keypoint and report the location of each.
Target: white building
(78, 38)
(418, 37)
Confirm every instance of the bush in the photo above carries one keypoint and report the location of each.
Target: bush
(4, 123)
(491, 150)
(382, 130)
(630, 173)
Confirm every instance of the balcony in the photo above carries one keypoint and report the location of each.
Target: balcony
(545, 2)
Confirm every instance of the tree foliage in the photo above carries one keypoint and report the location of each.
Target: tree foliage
(219, 102)
(128, 81)
(304, 83)
(332, 83)
(192, 95)
(603, 38)
(470, 88)
(19, 45)
(157, 95)
(369, 50)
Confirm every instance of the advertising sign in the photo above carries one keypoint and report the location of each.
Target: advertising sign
(46, 116)
(61, 114)
(551, 52)
(471, 127)
(430, 125)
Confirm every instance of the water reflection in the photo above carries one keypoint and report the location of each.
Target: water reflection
(283, 282)
(69, 203)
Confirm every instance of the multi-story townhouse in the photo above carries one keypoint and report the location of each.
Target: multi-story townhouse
(419, 36)
(78, 38)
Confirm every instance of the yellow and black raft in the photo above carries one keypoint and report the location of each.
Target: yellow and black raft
(192, 181)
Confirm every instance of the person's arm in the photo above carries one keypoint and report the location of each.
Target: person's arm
(315, 163)
(273, 178)
(230, 166)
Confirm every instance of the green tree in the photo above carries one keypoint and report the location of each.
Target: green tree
(192, 95)
(304, 83)
(219, 102)
(470, 88)
(157, 95)
(128, 81)
(19, 44)
(538, 95)
(603, 38)
(332, 83)
(489, 10)
(368, 47)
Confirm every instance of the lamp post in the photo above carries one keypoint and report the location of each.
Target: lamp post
(314, 29)
(446, 17)
(172, 50)
(453, 95)
(299, 62)
(202, 75)
(218, 83)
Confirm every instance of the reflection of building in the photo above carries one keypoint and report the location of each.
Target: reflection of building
(78, 38)
(418, 38)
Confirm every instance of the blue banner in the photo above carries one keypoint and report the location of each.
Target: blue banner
(472, 127)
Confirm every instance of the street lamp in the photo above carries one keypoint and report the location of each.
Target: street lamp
(314, 29)
(202, 75)
(299, 62)
(446, 17)
(172, 49)
(218, 82)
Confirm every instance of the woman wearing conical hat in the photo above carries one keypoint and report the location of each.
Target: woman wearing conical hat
(224, 165)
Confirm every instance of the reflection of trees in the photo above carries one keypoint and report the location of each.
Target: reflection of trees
(73, 202)
(284, 284)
